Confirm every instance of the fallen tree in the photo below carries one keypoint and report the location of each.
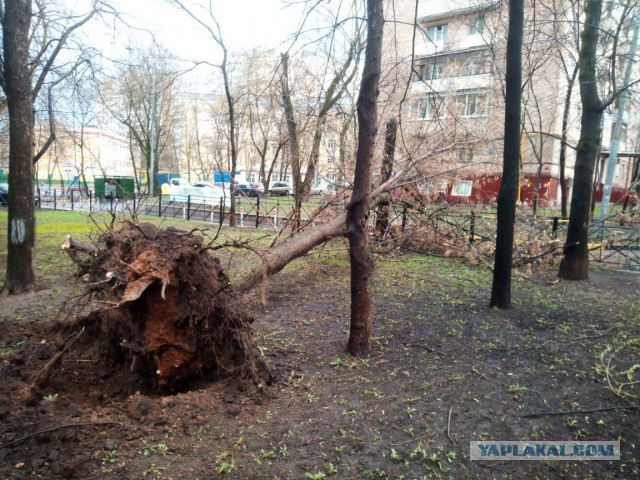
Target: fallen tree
(172, 313)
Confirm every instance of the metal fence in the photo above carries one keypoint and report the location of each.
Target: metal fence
(256, 212)
(610, 243)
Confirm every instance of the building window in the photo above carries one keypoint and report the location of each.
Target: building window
(462, 188)
(437, 33)
(433, 72)
(465, 156)
(472, 103)
(472, 67)
(430, 71)
(331, 143)
(476, 26)
(426, 107)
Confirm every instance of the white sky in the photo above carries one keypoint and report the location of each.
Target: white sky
(244, 23)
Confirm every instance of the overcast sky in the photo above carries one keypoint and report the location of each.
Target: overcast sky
(244, 23)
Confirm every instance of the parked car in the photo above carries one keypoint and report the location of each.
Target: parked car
(209, 192)
(4, 194)
(45, 190)
(316, 191)
(281, 188)
(257, 186)
(245, 189)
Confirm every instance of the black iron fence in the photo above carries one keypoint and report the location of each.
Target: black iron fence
(256, 212)
(609, 242)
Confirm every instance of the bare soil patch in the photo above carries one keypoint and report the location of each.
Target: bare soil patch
(444, 370)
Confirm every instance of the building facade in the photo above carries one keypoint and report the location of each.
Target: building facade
(453, 108)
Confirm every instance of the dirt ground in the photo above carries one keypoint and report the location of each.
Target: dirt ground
(444, 370)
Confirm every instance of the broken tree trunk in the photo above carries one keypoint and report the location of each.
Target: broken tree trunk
(276, 258)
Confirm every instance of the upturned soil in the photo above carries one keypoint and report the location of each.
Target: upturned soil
(444, 370)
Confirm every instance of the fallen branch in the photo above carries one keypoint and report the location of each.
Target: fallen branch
(449, 426)
(428, 349)
(48, 430)
(417, 439)
(604, 333)
(574, 412)
(43, 376)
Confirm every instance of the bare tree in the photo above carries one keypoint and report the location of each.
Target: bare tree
(595, 72)
(23, 74)
(142, 99)
(358, 210)
(327, 99)
(501, 288)
(206, 18)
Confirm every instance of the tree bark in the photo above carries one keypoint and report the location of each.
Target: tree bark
(17, 88)
(575, 263)
(382, 214)
(507, 198)
(358, 209)
(276, 258)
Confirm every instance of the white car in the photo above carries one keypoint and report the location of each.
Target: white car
(280, 188)
(199, 192)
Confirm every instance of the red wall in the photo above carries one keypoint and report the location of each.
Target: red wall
(617, 194)
(486, 188)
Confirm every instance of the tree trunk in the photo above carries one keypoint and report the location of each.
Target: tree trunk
(507, 198)
(382, 214)
(358, 209)
(276, 258)
(575, 263)
(563, 145)
(292, 130)
(20, 275)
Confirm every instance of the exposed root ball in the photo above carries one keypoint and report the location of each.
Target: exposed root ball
(174, 315)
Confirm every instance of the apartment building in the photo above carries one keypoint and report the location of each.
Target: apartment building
(79, 155)
(455, 100)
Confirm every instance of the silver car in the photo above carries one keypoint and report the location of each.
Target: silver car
(281, 188)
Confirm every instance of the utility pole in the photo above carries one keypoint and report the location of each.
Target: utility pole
(615, 141)
(152, 136)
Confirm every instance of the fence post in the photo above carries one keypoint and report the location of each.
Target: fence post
(472, 227)
(90, 201)
(554, 229)
(221, 220)
(134, 202)
(55, 202)
(188, 207)
(71, 200)
(111, 202)
(160, 204)
(258, 212)
(601, 240)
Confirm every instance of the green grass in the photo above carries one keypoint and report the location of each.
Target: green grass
(52, 226)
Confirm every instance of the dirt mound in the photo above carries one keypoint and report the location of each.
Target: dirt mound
(171, 315)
